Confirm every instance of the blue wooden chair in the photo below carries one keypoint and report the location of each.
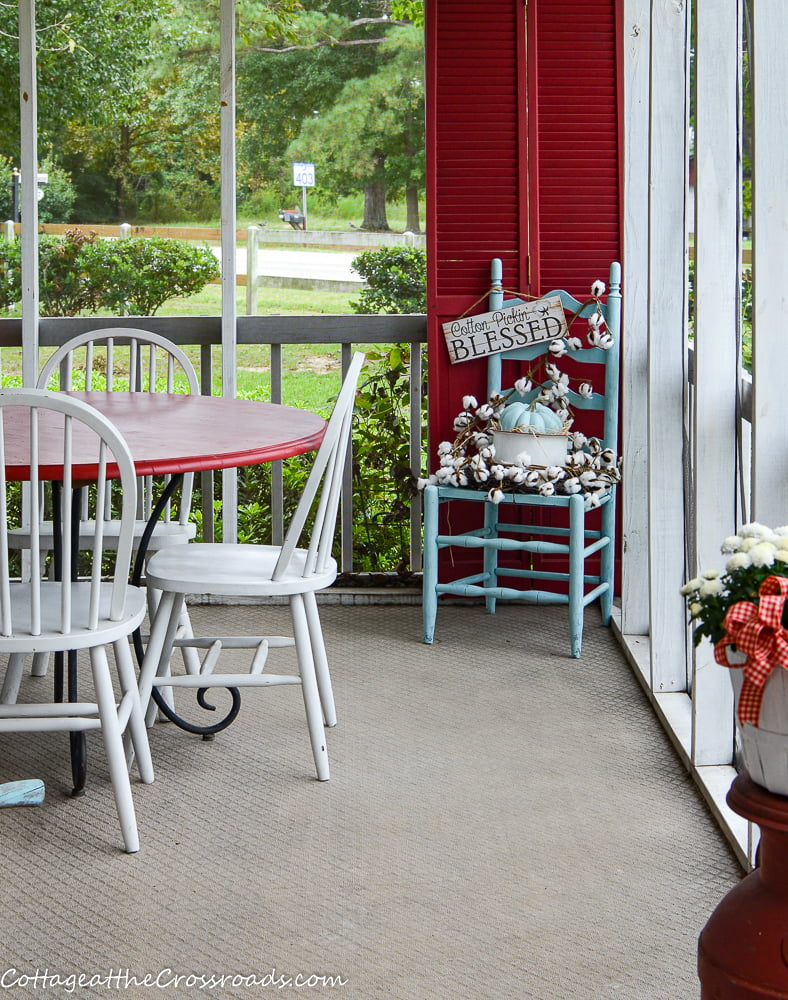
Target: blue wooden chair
(572, 541)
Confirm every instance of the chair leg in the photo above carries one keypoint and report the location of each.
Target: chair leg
(576, 570)
(40, 666)
(159, 651)
(113, 742)
(429, 594)
(321, 660)
(490, 564)
(607, 560)
(309, 689)
(13, 678)
(136, 735)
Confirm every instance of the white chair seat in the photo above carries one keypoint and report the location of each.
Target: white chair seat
(234, 570)
(165, 533)
(81, 635)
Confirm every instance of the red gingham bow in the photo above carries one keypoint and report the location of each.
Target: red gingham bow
(757, 631)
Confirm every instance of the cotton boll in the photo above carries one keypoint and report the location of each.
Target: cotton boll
(469, 402)
(598, 288)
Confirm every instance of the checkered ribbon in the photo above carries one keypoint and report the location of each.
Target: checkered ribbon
(757, 630)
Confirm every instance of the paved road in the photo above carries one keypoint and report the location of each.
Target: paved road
(333, 266)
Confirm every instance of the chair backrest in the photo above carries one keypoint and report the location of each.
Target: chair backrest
(49, 436)
(605, 400)
(324, 486)
(130, 360)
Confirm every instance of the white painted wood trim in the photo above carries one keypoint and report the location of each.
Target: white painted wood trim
(666, 342)
(228, 226)
(717, 339)
(28, 111)
(770, 262)
(636, 22)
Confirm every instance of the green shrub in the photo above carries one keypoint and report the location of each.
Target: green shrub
(64, 287)
(80, 273)
(396, 280)
(146, 272)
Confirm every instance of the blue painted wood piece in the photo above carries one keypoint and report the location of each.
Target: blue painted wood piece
(29, 792)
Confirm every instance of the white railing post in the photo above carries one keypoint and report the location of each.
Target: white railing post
(9, 229)
(252, 243)
(125, 230)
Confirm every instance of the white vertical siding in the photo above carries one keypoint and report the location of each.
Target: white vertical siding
(717, 333)
(770, 262)
(636, 21)
(667, 242)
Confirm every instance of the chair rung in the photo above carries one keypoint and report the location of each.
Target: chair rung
(237, 641)
(224, 680)
(502, 593)
(501, 544)
(541, 574)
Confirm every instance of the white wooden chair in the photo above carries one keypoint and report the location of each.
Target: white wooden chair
(262, 571)
(132, 360)
(38, 614)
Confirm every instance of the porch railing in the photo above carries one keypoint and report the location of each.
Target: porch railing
(273, 334)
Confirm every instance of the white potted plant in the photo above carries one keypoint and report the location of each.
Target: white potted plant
(742, 611)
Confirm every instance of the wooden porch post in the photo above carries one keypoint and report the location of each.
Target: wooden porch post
(229, 318)
(28, 108)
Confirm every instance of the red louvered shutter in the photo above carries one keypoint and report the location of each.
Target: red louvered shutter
(522, 164)
(494, 92)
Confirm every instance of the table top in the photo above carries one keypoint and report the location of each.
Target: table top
(169, 433)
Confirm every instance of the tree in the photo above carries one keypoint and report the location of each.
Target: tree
(373, 134)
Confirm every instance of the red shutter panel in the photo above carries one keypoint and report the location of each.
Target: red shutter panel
(476, 201)
(577, 139)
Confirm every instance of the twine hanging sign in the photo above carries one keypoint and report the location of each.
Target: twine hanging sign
(505, 329)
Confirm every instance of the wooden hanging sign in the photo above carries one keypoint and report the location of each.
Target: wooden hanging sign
(505, 329)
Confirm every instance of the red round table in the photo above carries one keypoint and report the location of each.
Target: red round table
(175, 433)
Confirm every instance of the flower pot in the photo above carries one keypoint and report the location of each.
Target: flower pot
(543, 447)
(765, 746)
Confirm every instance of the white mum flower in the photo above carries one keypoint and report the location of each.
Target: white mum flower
(469, 402)
(695, 609)
(598, 288)
(755, 530)
(709, 588)
(741, 560)
(781, 555)
(763, 554)
(731, 544)
(710, 574)
(495, 495)
(691, 586)
(782, 531)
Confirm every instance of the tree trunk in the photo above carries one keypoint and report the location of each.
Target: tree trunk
(375, 199)
(412, 207)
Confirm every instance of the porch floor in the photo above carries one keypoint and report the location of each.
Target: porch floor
(501, 821)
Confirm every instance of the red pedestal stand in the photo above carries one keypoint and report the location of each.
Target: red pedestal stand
(743, 949)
